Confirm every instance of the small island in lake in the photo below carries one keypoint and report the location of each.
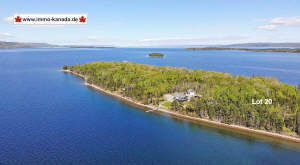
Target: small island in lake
(256, 104)
(286, 50)
(155, 55)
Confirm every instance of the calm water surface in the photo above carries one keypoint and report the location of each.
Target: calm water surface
(49, 117)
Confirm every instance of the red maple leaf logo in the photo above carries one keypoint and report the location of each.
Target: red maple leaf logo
(18, 19)
(82, 19)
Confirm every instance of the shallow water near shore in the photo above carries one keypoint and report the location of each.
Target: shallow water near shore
(49, 117)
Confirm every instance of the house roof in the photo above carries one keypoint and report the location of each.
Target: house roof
(190, 90)
(179, 94)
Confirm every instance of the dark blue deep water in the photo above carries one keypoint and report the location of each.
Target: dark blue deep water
(49, 117)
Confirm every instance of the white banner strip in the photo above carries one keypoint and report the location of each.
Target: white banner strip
(50, 19)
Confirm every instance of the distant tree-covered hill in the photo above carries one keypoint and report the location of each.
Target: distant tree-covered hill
(9, 45)
(266, 44)
(284, 50)
(6, 45)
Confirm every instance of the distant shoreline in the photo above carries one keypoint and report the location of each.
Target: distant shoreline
(16, 45)
(283, 50)
(201, 120)
(54, 47)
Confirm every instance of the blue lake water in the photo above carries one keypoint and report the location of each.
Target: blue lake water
(49, 117)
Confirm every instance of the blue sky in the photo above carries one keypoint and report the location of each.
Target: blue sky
(158, 22)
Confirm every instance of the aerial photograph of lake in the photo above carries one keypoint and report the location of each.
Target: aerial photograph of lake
(149, 82)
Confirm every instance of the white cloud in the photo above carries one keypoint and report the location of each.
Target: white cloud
(268, 27)
(8, 19)
(279, 22)
(161, 39)
(5, 35)
(286, 21)
(93, 38)
(193, 41)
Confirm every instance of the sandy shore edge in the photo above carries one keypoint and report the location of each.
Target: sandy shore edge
(215, 123)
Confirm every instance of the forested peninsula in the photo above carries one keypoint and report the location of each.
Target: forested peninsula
(285, 50)
(259, 103)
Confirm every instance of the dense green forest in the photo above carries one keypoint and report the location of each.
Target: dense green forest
(225, 98)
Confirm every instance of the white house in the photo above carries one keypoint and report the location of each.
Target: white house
(191, 92)
(180, 96)
(184, 96)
